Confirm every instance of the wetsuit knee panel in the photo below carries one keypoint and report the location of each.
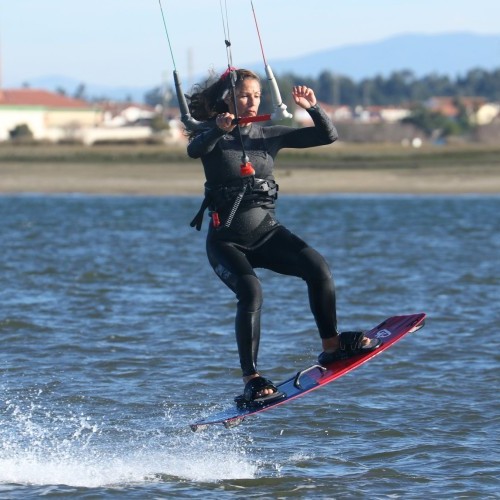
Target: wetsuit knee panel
(314, 266)
(249, 293)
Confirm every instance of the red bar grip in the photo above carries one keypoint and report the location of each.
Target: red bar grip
(251, 119)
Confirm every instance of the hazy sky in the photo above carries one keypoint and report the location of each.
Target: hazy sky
(123, 41)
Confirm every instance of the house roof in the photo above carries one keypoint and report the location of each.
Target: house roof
(34, 97)
(448, 105)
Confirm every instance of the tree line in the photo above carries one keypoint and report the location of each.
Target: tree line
(400, 87)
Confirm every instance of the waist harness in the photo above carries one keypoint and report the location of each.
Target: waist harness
(250, 191)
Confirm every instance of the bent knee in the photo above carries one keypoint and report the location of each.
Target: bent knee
(314, 266)
(249, 293)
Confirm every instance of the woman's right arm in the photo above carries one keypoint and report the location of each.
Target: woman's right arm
(204, 142)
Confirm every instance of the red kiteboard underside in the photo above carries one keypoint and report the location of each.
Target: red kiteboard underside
(389, 331)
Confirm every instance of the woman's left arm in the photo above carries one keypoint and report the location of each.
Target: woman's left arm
(323, 125)
(323, 132)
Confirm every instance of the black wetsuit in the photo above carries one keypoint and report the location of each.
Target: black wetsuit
(255, 238)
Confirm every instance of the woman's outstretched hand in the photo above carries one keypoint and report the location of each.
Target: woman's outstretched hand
(303, 96)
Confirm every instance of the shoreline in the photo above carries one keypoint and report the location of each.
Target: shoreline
(187, 179)
(339, 168)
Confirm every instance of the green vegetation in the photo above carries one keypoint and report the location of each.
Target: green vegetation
(99, 153)
(21, 133)
(434, 123)
(336, 156)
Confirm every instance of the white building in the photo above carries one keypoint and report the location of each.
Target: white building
(487, 113)
(55, 118)
(49, 116)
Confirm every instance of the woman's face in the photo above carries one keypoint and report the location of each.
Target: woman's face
(248, 93)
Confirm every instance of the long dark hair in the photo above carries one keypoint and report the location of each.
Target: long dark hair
(207, 99)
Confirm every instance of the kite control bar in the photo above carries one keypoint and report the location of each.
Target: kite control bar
(279, 113)
(191, 123)
(251, 119)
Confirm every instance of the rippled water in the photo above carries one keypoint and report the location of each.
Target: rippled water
(115, 334)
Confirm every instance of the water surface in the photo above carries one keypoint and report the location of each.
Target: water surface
(115, 334)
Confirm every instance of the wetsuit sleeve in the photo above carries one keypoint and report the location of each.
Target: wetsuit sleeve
(323, 124)
(204, 142)
(323, 132)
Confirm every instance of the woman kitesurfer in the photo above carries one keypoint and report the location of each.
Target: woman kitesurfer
(244, 233)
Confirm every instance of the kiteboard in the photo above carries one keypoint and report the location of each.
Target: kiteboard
(389, 332)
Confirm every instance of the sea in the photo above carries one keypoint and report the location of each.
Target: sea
(115, 335)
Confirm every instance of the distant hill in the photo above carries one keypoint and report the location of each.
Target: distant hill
(450, 54)
(446, 54)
